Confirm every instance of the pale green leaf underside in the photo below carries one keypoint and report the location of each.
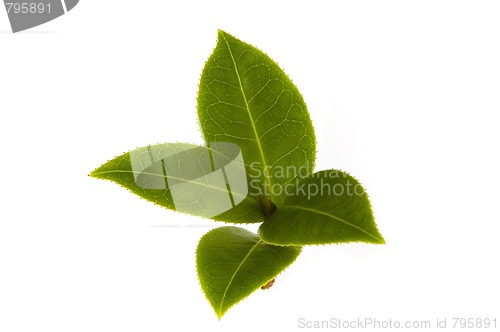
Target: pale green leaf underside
(233, 262)
(246, 98)
(327, 207)
(186, 178)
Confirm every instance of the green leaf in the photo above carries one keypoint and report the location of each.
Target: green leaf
(327, 207)
(233, 262)
(207, 182)
(245, 98)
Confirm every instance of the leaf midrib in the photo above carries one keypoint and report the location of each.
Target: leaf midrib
(257, 138)
(236, 272)
(164, 177)
(332, 217)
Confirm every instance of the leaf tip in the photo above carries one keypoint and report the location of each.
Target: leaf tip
(94, 173)
(221, 33)
(381, 240)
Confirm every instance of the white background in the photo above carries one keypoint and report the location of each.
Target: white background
(405, 95)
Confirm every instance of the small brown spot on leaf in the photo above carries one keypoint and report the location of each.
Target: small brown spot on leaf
(269, 284)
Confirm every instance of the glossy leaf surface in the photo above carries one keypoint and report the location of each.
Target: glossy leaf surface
(207, 182)
(233, 262)
(327, 207)
(246, 98)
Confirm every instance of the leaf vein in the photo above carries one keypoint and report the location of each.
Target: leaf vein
(236, 272)
(257, 139)
(332, 217)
